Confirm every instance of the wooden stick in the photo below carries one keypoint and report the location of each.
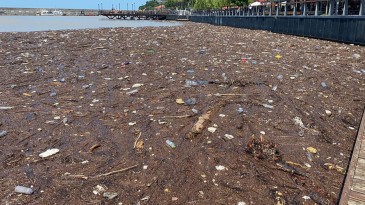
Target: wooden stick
(94, 147)
(179, 116)
(77, 176)
(135, 142)
(115, 172)
(316, 52)
(229, 94)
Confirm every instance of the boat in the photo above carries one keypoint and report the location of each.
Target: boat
(51, 13)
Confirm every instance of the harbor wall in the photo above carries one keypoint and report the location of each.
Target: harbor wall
(347, 29)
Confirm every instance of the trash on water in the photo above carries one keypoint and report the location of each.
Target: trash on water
(151, 51)
(307, 165)
(220, 168)
(298, 121)
(53, 93)
(202, 51)
(328, 112)
(306, 197)
(85, 86)
(278, 56)
(287, 168)
(132, 123)
(110, 195)
(324, 85)
(132, 92)
(23, 190)
(268, 106)
(3, 133)
(229, 136)
(179, 101)
(224, 77)
(212, 129)
(126, 63)
(170, 144)
(240, 110)
(339, 169)
(190, 101)
(195, 83)
(357, 56)
(98, 189)
(199, 125)
(137, 85)
(49, 152)
(312, 150)
(309, 156)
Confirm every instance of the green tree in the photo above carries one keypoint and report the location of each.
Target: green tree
(215, 4)
(180, 4)
(150, 5)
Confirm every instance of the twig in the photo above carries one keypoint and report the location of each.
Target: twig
(77, 176)
(179, 116)
(229, 94)
(135, 142)
(94, 147)
(316, 52)
(114, 172)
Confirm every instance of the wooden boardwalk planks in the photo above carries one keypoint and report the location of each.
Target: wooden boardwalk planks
(353, 192)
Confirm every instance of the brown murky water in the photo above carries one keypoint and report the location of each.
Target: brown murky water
(266, 129)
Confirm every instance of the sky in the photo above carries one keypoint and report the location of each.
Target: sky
(72, 4)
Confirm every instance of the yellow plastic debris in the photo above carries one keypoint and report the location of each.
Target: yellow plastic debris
(335, 167)
(312, 150)
(179, 101)
(278, 56)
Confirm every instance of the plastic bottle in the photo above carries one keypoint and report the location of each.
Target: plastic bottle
(171, 144)
(3, 133)
(324, 85)
(24, 190)
(53, 93)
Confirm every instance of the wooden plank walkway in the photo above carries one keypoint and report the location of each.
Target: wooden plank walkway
(353, 192)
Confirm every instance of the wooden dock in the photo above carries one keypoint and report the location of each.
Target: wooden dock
(155, 15)
(353, 192)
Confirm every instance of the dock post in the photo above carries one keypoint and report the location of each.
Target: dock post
(295, 8)
(362, 8)
(277, 8)
(345, 11)
(317, 8)
(304, 9)
(286, 8)
(331, 8)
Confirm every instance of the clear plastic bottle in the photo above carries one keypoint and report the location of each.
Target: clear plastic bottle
(171, 144)
(24, 190)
